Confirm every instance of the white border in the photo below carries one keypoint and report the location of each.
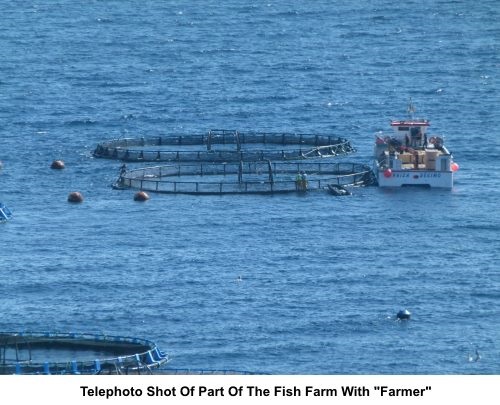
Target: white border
(53, 390)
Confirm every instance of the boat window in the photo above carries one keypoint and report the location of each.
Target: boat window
(403, 128)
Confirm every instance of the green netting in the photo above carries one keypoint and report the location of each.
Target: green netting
(71, 353)
(224, 146)
(244, 177)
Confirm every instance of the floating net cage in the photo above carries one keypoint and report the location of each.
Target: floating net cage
(194, 371)
(70, 353)
(222, 145)
(262, 177)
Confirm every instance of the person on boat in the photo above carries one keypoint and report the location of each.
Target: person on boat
(419, 137)
(438, 143)
(123, 169)
(298, 181)
(301, 181)
(415, 154)
(304, 180)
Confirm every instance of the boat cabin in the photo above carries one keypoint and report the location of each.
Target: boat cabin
(408, 147)
(411, 133)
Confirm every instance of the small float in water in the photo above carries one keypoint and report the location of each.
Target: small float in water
(412, 157)
(74, 353)
(5, 213)
(404, 315)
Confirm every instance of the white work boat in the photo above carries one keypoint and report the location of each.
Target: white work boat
(410, 156)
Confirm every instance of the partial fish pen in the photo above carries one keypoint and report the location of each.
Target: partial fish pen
(224, 146)
(263, 177)
(73, 353)
(195, 371)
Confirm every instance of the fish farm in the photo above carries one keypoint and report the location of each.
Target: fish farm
(232, 162)
(71, 353)
(222, 145)
(245, 177)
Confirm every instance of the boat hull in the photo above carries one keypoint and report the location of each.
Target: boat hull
(418, 178)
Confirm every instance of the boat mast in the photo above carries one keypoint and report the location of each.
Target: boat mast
(411, 109)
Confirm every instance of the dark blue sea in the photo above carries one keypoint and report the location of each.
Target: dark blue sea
(322, 277)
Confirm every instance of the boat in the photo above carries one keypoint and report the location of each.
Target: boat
(337, 190)
(5, 213)
(411, 156)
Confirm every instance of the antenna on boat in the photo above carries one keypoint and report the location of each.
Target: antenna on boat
(410, 109)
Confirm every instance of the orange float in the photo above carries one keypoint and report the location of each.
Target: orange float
(141, 196)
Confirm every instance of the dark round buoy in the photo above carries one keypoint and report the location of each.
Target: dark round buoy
(75, 197)
(404, 314)
(57, 164)
(141, 196)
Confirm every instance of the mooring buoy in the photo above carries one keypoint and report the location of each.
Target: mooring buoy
(75, 197)
(404, 314)
(141, 196)
(57, 164)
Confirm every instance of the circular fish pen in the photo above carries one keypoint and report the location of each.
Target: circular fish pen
(262, 177)
(70, 353)
(224, 146)
(191, 371)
